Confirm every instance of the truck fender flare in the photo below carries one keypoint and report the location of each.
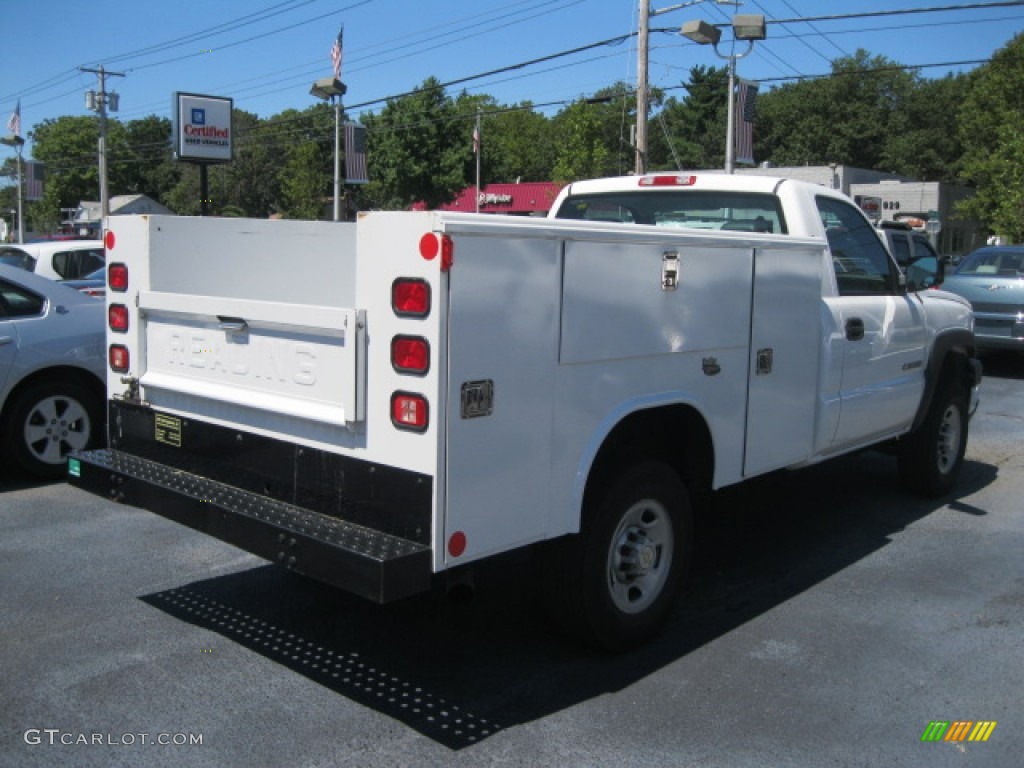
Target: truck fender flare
(951, 342)
(599, 437)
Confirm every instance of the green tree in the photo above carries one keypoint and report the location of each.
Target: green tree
(417, 149)
(693, 129)
(846, 118)
(990, 128)
(582, 152)
(922, 141)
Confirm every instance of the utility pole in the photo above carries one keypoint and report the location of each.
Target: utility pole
(98, 102)
(641, 87)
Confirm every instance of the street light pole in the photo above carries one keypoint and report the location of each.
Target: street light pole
(331, 89)
(747, 27)
(642, 67)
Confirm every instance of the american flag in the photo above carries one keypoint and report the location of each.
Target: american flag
(355, 154)
(14, 124)
(746, 108)
(35, 173)
(336, 51)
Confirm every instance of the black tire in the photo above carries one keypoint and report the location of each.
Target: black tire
(49, 420)
(931, 456)
(613, 585)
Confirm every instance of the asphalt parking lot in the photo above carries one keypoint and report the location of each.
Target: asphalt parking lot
(831, 619)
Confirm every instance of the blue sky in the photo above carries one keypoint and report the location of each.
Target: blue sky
(266, 53)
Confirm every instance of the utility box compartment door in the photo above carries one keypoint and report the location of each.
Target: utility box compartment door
(785, 344)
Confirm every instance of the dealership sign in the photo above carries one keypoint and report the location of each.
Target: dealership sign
(202, 128)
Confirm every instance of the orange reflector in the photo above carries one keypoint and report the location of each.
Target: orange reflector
(117, 277)
(409, 411)
(410, 297)
(118, 358)
(672, 180)
(410, 354)
(117, 317)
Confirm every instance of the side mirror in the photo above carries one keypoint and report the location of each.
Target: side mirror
(925, 272)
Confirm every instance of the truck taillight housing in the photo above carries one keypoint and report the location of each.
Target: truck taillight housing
(117, 318)
(432, 244)
(117, 277)
(119, 359)
(410, 412)
(410, 297)
(410, 354)
(667, 180)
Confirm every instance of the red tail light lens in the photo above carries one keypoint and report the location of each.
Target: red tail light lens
(410, 354)
(117, 277)
(673, 180)
(118, 358)
(410, 297)
(410, 412)
(117, 317)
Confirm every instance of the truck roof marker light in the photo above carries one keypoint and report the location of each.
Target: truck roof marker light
(119, 359)
(410, 412)
(432, 244)
(117, 277)
(109, 240)
(117, 318)
(410, 354)
(457, 544)
(668, 180)
(410, 297)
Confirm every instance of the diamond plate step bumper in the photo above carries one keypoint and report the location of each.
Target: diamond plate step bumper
(369, 563)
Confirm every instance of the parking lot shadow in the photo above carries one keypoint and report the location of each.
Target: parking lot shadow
(459, 672)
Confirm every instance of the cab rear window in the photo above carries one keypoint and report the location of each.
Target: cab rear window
(681, 209)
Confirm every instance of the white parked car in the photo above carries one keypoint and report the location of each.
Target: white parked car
(55, 259)
(52, 369)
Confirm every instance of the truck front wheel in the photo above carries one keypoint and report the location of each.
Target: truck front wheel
(614, 584)
(931, 456)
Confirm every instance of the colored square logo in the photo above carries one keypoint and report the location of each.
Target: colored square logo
(198, 117)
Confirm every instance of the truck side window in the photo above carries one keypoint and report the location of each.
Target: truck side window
(861, 262)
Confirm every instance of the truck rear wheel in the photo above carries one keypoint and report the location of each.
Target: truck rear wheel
(931, 456)
(614, 584)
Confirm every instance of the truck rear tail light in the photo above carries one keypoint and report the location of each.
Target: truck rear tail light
(410, 297)
(410, 412)
(432, 244)
(117, 277)
(410, 354)
(668, 180)
(119, 359)
(117, 318)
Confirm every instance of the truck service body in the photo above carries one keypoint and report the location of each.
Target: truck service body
(374, 404)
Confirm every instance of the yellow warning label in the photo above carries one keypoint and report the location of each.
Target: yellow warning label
(168, 430)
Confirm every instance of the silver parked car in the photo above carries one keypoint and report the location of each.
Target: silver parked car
(992, 279)
(52, 372)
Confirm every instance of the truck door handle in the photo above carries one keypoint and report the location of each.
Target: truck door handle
(232, 324)
(6, 340)
(855, 329)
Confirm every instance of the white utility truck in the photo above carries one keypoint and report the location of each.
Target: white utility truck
(376, 404)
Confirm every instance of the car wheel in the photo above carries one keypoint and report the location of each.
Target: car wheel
(931, 456)
(48, 421)
(613, 585)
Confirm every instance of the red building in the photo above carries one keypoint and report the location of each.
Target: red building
(531, 198)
